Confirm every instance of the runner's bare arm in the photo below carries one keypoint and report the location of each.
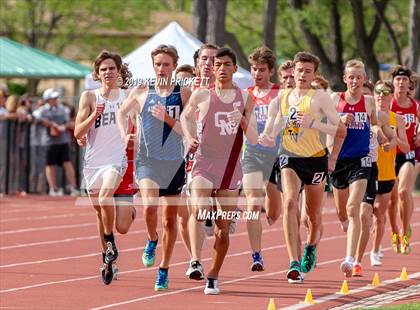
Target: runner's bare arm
(383, 120)
(188, 122)
(86, 115)
(275, 118)
(248, 121)
(334, 140)
(402, 140)
(132, 104)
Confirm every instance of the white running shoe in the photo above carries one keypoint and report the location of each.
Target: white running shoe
(347, 268)
(375, 260)
(212, 287)
(208, 226)
(380, 253)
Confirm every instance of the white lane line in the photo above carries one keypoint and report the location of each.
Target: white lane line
(222, 283)
(382, 299)
(148, 269)
(124, 250)
(94, 237)
(355, 291)
(25, 230)
(45, 217)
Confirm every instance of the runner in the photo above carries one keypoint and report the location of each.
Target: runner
(386, 172)
(258, 162)
(206, 80)
(402, 195)
(304, 158)
(105, 156)
(353, 169)
(160, 166)
(285, 73)
(389, 141)
(225, 113)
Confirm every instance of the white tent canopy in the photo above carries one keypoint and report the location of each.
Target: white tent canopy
(140, 62)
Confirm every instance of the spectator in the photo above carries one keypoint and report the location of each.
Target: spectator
(55, 118)
(3, 138)
(38, 139)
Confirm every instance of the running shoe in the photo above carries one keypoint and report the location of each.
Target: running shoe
(309, 258)
(149, 253)
(196, 271)
(114, 271)
(257, 262)
(375, 259)
(111, 252)
(405, 245)
(380, 253)
(395, 241)
(294, 274)
(357, 270)
(212, 287)
(232, 224)
(209, 227)
(161, 283)
(347, 268)
(107, 273)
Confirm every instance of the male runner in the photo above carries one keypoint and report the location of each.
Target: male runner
(258, 162)
(105, 156)
(383, 93)
(304, 158)
(353, 168)
(225, 114)
(160, 166)
(402, 195)
(206, 80)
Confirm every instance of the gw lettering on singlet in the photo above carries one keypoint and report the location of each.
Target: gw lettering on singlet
(221, 121)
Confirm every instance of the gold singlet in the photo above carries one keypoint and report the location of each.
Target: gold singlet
(386, 160)
(303, 142)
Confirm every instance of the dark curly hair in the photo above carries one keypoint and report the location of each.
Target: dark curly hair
(121, 67)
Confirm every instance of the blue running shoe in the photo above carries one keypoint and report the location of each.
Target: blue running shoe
(161, 283)
(149, 253)
(294, 274)
(308, 259)
(257, 262)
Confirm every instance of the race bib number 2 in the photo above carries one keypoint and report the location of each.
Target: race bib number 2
(283, 160)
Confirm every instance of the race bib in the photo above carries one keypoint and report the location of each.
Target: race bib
(366, 162)
(410, 155)
(360, 117)
(283, 160)
(318, 178)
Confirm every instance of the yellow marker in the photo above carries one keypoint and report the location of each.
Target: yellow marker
(375, 281)
(271, 305)
(403, 276)
(308, 297)
(344, 288)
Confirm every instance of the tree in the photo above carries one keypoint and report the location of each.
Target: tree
(365, 41)
(199, 13)
(216, 30)
(270, 24)
(331, 64)
(413, 34)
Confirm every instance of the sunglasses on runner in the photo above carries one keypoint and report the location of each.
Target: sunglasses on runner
(380, 91)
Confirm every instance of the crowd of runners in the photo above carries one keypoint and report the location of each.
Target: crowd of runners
(195, 144)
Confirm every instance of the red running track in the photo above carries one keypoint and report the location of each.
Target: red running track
(49, 259)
